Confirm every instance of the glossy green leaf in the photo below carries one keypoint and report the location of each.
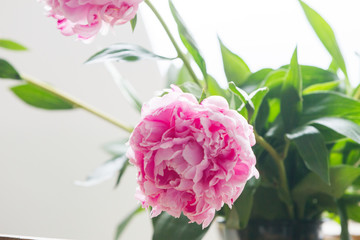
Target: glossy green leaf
(121, 227)
(342, 126)
(188, 40)
(291, 101)
(341, 177)
(11, 45)
(125, 87)
(133, 23)
(235, 68)
(321, 87)
(124, 52)
(325, 34)
(7, 71)
(40, 98)
(311, 146)
(167, 227)
(329, 104)
(104, 172)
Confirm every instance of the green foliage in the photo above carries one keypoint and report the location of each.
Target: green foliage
(311, 147)
(133, 23)
(40, 98)
(8, 71)
(326, 35)
(11, 45)
(167, 227)
(188, 40)
(125, 87)
(238, 217)
(235, 68)
(124, 52)
(291, 101)
(106, 171)
(121, 227)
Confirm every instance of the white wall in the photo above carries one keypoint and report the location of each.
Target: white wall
(42, 153)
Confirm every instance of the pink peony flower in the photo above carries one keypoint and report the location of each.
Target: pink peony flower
(85, 18)
(191, 157)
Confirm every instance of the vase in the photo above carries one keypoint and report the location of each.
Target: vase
(274, 230)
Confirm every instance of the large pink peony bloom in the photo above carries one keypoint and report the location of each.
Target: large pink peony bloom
(85, 18)
(191, 157)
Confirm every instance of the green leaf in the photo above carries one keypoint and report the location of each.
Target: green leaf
(116, 148)
(104, 172)
(353, 211)
(8, 71)
(243, 205)
(356, 92)
(121, 227)
(254, 80)
(249, 106)
(329, 104)
(193, 88)
(167, 227)
(11, 45)
(291, 101)
(214, 88)
(125, 87)
(341, 177)
(274, 81)
(313, 75)
(311, 146)
(325, 34)
(188, 40)
(121, 173)
(203, 96)
(235, 68)
(321, 87)
(133, 23)
(124, 52)
(333, 67)
(342, 126)
(40, 98)
(257, 97)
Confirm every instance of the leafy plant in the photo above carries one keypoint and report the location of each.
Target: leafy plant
(306, 122)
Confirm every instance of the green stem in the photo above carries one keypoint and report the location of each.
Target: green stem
(181, 55)
(343, 220)
(279, 161)
(76, 102)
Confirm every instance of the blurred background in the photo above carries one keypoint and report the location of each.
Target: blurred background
(42, 153)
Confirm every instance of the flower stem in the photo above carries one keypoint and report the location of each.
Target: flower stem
(181, 55)
(76, 102)
(343, 220)
(279, 161)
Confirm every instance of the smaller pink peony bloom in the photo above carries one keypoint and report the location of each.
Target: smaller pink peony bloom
(85, 18)
(191, 158)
